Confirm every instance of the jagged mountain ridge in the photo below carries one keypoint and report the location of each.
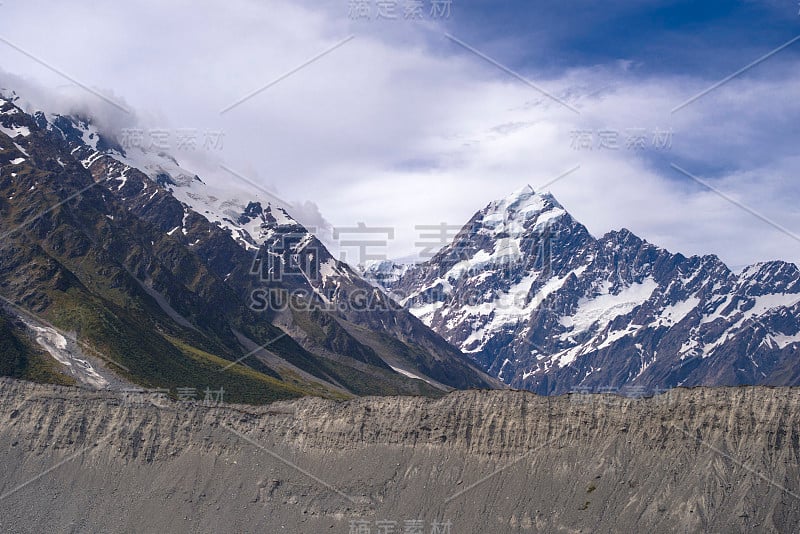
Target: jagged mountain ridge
(371, 323)
(543, 305)
(186, 273)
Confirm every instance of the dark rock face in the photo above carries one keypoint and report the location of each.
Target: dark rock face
(252, 211)
(541, 304)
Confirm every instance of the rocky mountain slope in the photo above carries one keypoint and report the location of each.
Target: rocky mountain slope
(698, 460)
(99, 254)
(543, 305)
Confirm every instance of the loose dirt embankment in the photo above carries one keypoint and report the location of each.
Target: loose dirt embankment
(724, 459)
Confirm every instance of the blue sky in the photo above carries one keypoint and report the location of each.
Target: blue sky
(400, 126)
(709, 38)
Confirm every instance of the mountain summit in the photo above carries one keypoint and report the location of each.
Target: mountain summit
(541, 304)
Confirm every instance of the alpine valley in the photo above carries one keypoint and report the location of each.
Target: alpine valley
(233, 376)
(121, 269)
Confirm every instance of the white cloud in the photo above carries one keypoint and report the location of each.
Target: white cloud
(401, 127)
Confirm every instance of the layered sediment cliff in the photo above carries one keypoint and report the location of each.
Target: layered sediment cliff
(724, 459)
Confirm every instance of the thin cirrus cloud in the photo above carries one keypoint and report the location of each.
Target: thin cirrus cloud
(400, 126)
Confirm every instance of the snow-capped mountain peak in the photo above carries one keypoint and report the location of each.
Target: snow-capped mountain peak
(510, 214)
(543, 305)
(248, 212)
